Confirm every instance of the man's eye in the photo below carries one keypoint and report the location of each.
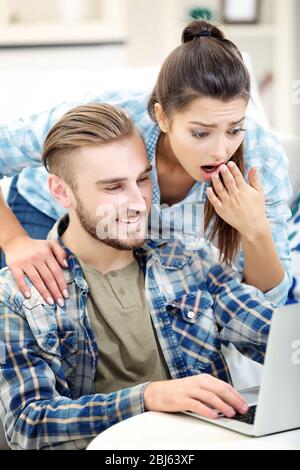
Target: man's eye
(199, 135)
(113, 188)
(237, 131)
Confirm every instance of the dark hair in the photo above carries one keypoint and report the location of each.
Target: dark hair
(210, 66)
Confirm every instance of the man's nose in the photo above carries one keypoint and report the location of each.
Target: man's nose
(136, 200)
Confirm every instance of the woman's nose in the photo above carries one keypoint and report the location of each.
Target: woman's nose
(219, 152)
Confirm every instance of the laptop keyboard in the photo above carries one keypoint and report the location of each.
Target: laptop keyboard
(248, 417)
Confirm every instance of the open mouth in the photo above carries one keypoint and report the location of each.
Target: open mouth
(210, 168)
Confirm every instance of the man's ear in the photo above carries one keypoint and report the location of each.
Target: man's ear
(161, 118)
(61, 192)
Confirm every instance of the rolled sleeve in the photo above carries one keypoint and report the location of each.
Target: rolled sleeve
(278, 295)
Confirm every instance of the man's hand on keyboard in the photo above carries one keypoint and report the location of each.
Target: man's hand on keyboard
(202, 394)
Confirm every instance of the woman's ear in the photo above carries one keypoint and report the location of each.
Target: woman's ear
(161, 117)
(61, 192)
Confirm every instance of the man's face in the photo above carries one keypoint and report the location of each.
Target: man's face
(112, 199)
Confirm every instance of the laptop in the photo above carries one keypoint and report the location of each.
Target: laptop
(275, 405)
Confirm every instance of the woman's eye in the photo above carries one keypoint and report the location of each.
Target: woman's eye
(143, 180)
(199, 135)
(237, 131)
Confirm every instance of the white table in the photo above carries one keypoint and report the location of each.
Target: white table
(164, 431)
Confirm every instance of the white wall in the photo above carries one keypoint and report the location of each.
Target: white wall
(154, 29)
(47, 10)
(65, 58)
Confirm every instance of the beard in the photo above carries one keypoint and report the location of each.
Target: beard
(91, 226)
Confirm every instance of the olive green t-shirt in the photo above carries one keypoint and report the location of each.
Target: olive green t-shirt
(129, 352)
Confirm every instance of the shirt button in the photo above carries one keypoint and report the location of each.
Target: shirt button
(190, 314)
(122, 291)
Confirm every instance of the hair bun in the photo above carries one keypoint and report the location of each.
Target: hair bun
(198, 28)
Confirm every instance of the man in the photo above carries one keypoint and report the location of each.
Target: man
(138, 313)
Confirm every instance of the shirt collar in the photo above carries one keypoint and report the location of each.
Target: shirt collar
(169, 254)
(74, 271)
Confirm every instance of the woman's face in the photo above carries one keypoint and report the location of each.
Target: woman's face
(205, 135)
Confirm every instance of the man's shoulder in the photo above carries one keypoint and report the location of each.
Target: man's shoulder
(8, 286)
(10, 294)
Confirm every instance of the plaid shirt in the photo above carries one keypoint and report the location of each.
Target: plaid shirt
(21, 146)
(48, 354)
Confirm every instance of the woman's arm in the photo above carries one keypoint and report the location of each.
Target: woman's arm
(10, 226)
(262, 265)
(242, 205)
(33, 258)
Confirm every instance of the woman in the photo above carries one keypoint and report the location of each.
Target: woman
(195, 137)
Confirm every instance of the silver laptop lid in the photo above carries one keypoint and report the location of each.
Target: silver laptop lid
(278, 406)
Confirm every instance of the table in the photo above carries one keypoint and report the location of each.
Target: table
(168, 431)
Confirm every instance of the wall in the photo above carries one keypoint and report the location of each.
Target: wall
(47, 10)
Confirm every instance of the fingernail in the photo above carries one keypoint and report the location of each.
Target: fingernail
(231, 413)
(244, 408)
(66, 294)
(60, 302)
(66, 263)
(230, 164)
(50, 301)
(27, 294)
(223, 168)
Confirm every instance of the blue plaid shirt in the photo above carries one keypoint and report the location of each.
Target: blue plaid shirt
(48, 354)
(21, 146)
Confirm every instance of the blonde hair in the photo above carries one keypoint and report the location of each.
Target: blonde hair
(88, 124)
